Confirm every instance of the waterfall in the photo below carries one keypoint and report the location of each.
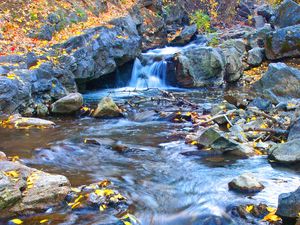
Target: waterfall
(149, 76)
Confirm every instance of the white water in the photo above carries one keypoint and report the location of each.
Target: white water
(153, 74)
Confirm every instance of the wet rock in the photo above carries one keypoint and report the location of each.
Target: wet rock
(28, 122)
(68, 104)
(199, 66)
(287, 14)
(119, 146)
(99, 141)
(295, 130)
(246, 183)
(213, 139)
(255, 56)
(283, 42)
(289, 204)
(185, 36)
(279, 83)
(43, 190)
(107, 108)
(288, 152)
(2, 156)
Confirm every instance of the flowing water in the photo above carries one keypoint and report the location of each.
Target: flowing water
(167, 181)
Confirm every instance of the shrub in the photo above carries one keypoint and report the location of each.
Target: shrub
(201, 20)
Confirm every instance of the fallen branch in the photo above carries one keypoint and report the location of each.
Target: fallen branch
(268, 130)
(230, 112)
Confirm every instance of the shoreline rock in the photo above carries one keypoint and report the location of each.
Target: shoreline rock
(246, 183)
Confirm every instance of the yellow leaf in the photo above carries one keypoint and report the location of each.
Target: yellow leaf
(249, 208)
(99, 192)
(12, 173)
(78, 199)
(108, 192)
(188, 114)
(194, 143)
(16, 221)
(271, 209)
(75, 205)
(127, 223)
(102, 207)
(271, 217)
(228, 126)
(44, 221)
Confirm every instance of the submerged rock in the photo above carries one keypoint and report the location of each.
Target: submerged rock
(27, 122)
(25, 190)
(289, 204)
(107, 108)
(288, 152)
(68, 104)
(284, 42)
(279, 83)
(246, 183)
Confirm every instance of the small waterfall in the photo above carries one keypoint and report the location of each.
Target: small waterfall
(149, 76)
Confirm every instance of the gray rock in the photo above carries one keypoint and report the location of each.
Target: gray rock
(213, 139)
(107, 108)
(199, 66)
(46, 32)
(233, 64)
(280, 83)
(288, 152)
(289, 204)
(295, 130)
(287, 14)
(284, 42)
(185, 35)
(246, 183)
(261, 103)
(266, 11)
(43, 191)
(222, 107)
(68, 104)
(42, 110)
(259, 21)
(255, 56)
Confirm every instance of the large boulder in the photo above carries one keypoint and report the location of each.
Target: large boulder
(199, 66)
(246, 183)
(289, 204)
(287, 14)
(279, 83)
(284, 42)
(288, 152)
(26, 190)
(68, 104)
(107, 108)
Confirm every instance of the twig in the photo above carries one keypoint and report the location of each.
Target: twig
(269, 130)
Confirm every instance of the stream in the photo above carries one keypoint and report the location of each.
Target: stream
(166, 180)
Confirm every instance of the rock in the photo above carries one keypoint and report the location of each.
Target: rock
(246, 183)
(42, 110)
(68, 104)
(199, 66)
(2, 156)
(27, 122)
(295, 130)
(289, 204)
(222, 108)
(287, 14)
(279, 83)
(284, 42)
(288, 152)
(185, 36)
(257, 37)
(266, 11)
(255, 56)
(259, 21)
(46, 32)
(210, 138)
(261, 103)
(107, 108)
(46, 190)
(233, 52)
